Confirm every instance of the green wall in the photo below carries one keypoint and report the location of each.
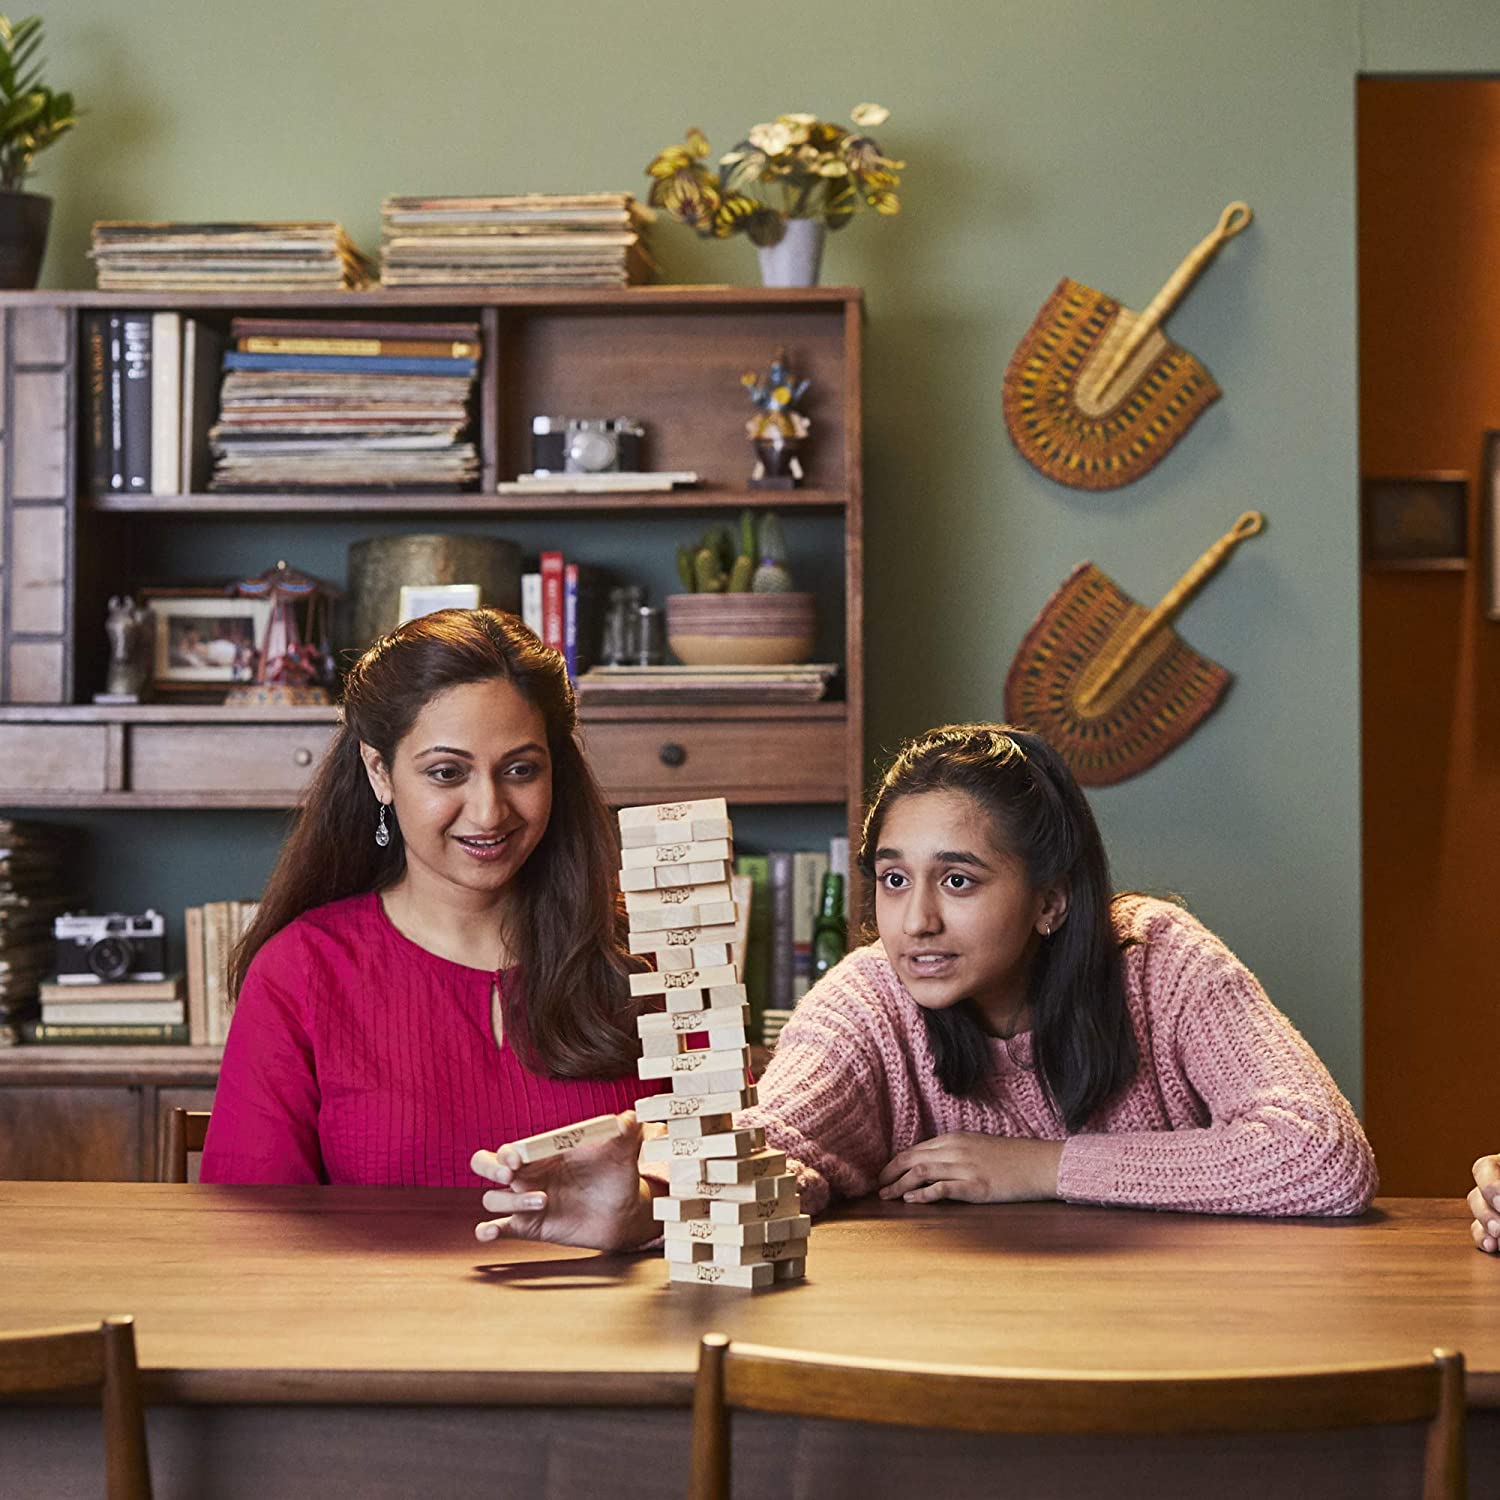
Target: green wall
(1094, 139)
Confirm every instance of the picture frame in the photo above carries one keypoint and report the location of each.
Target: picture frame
(202, 639)
(419, 599)
(1415, 522)
(1490, 524)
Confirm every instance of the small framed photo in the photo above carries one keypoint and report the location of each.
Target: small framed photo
(427, 598)
(201, 640)
(1490, 521)
(1418, 521)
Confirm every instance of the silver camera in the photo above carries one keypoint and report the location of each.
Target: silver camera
(102, 949)
(586, 445)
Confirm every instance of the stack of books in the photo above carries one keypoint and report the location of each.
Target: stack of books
(645, 686)
(139, 1011)
(536, 239)
(34, 859)
(212, 931)
(312, 403)
(130, 255)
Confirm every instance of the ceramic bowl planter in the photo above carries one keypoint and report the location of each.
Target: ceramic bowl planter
(797, 257)
(741, 630)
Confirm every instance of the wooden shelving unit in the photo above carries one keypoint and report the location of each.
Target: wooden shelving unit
(671, 356)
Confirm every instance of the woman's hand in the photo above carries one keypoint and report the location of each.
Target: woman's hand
(1484, 1204)
(973, 1169)
(593, 1195)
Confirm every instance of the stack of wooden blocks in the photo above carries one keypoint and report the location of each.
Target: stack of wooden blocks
(732, 1215)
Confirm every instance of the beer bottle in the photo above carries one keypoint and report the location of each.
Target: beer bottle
(829, 938)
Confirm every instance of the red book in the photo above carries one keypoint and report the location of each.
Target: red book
(552, 600)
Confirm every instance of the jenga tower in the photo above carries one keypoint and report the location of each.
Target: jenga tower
(732, 1216)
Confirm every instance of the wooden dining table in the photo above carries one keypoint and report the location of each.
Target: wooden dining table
(361, 1341)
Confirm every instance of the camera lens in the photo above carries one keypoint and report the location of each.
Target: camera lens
(591, 451)
(110, 957)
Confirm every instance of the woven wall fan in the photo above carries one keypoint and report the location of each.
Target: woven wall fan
(1110, 685)
(1096, 395)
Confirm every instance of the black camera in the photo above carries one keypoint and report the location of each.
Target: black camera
(586, 445)
(99, 950)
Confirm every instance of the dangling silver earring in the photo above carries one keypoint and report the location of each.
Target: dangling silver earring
(382, 833)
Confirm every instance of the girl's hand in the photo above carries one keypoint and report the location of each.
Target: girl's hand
(1484, 1204)
(592, 1196)
(973, 1169)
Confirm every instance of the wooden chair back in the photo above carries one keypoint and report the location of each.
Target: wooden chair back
(98, 1358)
(750, 1377)
(187, 1129)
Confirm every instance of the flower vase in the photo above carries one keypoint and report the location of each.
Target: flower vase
(794, 260)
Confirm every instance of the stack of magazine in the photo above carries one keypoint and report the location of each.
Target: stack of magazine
(316, 404)
(130, 255)
(536, 239)
(34, 872)
(642, 686)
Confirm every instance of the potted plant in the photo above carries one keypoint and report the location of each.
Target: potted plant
(784, 186)
(32, 117)
(740, 608)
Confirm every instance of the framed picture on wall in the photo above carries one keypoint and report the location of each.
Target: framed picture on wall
(1490, 523)
(1417, 521)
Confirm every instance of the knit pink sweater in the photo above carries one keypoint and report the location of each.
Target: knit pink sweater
(1230, 1112)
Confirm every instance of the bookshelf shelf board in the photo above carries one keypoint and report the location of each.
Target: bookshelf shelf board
(215, 713)
(316, 503)
(37, 1062)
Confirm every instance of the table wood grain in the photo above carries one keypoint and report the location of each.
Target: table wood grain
(353, 1295)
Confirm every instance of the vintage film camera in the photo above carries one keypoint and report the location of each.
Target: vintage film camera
(586, 445)
(102, 949)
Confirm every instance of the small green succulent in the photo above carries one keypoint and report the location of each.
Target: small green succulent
(721, 563)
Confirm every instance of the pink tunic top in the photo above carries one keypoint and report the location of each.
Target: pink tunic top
(356, 1056)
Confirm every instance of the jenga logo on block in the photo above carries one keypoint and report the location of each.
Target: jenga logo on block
(775, 1250)
(682, 937)
(671, 812)
(684, 1147)
(675, 895)
(700, 1229)
(687, 1020)
(685, 979)
(708, 1271)
(670, 854)
(682, 1107)
(766, 1208)
(565, 1140)
(688, 1062)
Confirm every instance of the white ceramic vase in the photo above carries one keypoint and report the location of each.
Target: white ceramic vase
(797, 257)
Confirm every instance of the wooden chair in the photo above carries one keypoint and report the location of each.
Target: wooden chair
(749, 1377)
(186, 1131)
(102, 1358)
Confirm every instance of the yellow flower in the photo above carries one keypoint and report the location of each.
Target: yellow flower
(773, 139)
(869, 116)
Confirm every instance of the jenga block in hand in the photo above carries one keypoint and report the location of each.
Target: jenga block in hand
(567, 1137)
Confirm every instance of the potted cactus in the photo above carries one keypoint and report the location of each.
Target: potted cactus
(32, 117)
(739, 607)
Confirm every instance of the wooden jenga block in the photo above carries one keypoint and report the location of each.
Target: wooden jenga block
(733, 1143)
(684, 1023)
(719, 1192)
(688, 1001)
(691, 1125)
(795, 1227)
(699, 956)
(695, 1062)
(661, 1043)
(724, 1082)
(657, 1107)
(720, 995)
(688, 979)
(790, 1270)
(678, 1210)
(676, 854)
(639, 835)
(749, 1168)
(726, 1031)
(750, 1255)
(686, 1251)
(707, 905)
(708, 872)
(567, 1137)
(784, 1204)
(707, 1273)
(673, 812)
(689, 935)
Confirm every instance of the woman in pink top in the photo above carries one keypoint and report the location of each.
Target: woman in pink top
(438, 961)
(1019, 1033)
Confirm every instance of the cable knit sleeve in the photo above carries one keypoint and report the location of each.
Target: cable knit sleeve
(1279, 1137)
(264, 1126)
(826, 1098)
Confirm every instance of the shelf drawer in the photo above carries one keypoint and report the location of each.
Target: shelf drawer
(53, 758)
(226, 758)
(745, 760)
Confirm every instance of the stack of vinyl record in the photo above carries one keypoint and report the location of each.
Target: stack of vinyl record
(313, 403)
(130, 255)
(34, 874)
(535, 239)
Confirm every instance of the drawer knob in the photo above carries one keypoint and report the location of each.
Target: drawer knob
(672, 754)
(302, 757)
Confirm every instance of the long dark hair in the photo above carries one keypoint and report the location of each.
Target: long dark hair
(569, 933)
(1083, 1041)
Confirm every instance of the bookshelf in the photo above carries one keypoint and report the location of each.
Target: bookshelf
(671, 356)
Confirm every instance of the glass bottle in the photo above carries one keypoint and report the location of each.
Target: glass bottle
(830, 939)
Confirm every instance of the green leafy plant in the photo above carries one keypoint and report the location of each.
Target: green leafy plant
(720, 562)
(792, 167)
(32, 117)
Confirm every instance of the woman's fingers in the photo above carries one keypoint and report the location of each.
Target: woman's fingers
(1485, 1241)
(1487, 1178)
(1486, 1216)
(933, 1192)
(488, 1164)
(497, 1201)
(904, 1161)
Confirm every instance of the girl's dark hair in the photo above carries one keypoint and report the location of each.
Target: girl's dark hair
(569, 931)
(1083, 1040)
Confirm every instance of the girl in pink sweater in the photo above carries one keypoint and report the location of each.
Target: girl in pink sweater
(438, 959)
(1017, 1033)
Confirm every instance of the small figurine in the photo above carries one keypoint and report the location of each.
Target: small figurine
(127, 626)
(777, 429)
(295, 656)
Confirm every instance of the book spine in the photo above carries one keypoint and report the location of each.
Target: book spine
(361, 348)
(838, 859)
(123, 1036)
(552, 600)
(570, 620)
(113, 1013)
(96, 396)
(780, 875)
(116, 373)
(531, 603)
(808, 871)
(166, 403)
(213, 971)
(758, 942)
(197, 1000)
(335, 364)
(137, 402)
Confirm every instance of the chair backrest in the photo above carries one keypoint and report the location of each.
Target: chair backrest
(99, 1358)
(750, 1377)
(187, 1129)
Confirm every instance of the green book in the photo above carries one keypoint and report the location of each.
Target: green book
(85, 1034)
(758, 940)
